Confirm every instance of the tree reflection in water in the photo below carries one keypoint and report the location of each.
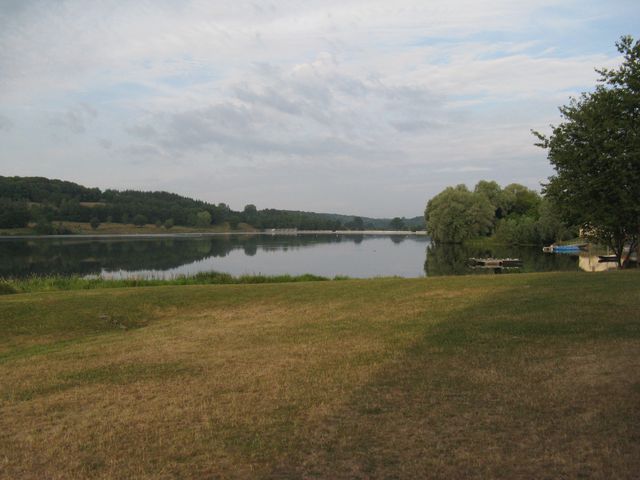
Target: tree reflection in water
(453, 259)
(79, 256)
(379, 256)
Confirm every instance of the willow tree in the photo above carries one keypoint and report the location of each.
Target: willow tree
(456, 215)
(595, 152)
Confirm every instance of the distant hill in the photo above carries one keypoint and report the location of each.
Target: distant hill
(42, 200)
(376, 223)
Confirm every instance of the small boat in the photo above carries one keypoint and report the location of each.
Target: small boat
(566, 248)
(612, 258)
(576, 248)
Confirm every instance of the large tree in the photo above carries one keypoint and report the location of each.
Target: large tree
(456, 215)
(494, 194)
(596, 154)
(203, 219)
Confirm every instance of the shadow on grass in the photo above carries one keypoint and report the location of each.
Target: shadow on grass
(533, 382)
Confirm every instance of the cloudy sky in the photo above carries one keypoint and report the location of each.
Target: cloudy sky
(360, 107)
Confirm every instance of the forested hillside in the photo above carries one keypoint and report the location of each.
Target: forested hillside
(42, 201)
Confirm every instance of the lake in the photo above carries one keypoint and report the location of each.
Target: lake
(352, 255)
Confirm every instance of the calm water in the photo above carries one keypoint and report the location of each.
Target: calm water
(326, 255)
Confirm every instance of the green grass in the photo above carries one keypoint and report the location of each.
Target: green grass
(511, 376)
(61, 282)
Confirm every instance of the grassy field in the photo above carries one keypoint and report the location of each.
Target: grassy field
(512, 376)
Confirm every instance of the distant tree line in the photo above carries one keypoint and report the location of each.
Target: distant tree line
(514, 214)
(43, 202)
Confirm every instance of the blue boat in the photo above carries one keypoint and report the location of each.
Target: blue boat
(566, 248)
(577, 248)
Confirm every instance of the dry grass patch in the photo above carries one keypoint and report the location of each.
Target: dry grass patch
(392, 378)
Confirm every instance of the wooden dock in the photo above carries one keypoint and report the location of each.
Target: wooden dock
(495, 262)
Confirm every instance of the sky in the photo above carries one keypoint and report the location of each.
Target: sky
(360, 107)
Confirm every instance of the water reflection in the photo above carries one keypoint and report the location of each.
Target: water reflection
(454, 259)
(592, 263)
(327, 255)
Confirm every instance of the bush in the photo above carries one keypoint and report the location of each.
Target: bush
(6, 288)
(44, 227)
(139, 220)
(518, 230)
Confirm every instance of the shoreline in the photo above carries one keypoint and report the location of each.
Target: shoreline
(213, 234)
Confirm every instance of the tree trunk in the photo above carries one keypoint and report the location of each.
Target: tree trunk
(633, 245)
(617, 245)
(638, 250)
